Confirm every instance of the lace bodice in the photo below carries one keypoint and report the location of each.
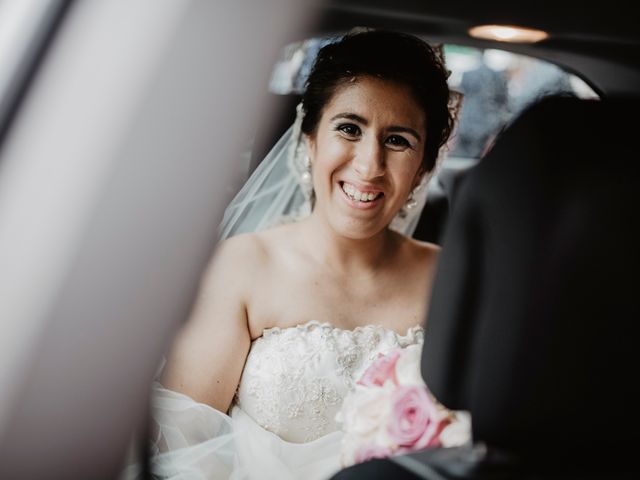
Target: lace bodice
(295, 379)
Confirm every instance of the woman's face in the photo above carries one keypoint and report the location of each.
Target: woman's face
(366, 155)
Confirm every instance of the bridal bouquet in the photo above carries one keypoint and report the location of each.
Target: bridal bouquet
(391, 412)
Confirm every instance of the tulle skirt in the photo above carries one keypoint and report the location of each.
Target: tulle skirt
(195, 441)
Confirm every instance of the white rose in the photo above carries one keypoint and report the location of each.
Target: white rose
(408, 366)
(458, 432)
(365, 410)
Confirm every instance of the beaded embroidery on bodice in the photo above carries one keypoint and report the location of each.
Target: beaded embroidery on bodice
(295, 378)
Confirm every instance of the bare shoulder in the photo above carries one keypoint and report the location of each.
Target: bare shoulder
(235, 262)
(236, 253)
(263, 245)
(417, 250)
(249, 255)
(424, 249)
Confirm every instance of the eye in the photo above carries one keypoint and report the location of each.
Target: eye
(397, 141)
(349, 129)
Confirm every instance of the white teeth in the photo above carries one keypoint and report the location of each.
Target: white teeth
(357, 195)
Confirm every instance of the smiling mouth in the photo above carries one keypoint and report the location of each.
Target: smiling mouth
(358, 195)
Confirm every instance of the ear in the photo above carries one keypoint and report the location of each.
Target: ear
(420, 174)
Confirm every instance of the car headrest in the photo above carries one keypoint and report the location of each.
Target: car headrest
(531, 324)
(434, 216)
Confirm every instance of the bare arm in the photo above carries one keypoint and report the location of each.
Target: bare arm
(207, 357)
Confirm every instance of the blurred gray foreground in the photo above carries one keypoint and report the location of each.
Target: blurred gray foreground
(113, 177)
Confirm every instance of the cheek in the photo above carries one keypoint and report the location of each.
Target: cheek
(405, 172)
(331, 154)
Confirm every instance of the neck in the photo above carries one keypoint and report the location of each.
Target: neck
(343, 254)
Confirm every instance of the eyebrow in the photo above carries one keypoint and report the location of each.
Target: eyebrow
(393, 128)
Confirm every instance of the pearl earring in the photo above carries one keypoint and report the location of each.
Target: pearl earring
(305, 176)
(411, 202)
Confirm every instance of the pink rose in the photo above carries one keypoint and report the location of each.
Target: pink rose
(381, 370)
(367, 452)
(415, 421)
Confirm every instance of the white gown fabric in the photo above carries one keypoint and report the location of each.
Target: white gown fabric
(282, 421)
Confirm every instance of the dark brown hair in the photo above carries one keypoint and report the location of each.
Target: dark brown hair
(390, 56)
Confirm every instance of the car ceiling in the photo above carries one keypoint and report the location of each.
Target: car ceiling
(600, 44)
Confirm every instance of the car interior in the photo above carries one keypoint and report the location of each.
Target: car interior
(123, 135)
(546, 264)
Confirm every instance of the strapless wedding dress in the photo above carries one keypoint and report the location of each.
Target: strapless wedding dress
(282, 421)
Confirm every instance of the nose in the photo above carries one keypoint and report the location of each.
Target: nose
(369, 160)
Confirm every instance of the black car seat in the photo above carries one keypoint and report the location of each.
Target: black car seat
(531, 324)
(436, 212)
(532, 320)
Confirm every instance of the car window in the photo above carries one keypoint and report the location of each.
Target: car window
(496, 86)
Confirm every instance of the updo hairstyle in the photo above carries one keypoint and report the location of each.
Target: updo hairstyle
(397, 57)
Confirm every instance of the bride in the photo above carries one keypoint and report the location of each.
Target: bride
(289, 316)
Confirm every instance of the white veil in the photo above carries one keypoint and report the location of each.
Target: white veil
(274, 193)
